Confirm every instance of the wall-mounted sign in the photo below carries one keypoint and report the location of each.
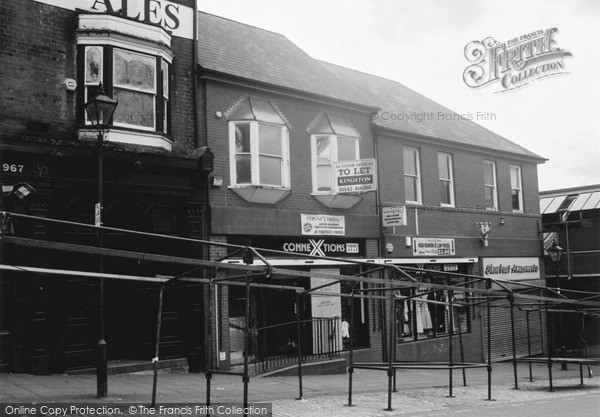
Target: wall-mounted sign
(175, 18)
(355, 176)
(323, 224)
(427, 246)
(511, 268)
(393, 216)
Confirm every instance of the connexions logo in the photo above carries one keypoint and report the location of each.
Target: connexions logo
(515, 63)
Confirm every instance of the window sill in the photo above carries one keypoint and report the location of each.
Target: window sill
(130, 137)
(340, 201)
(260, 194)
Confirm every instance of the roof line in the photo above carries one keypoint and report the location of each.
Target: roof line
(244, 24)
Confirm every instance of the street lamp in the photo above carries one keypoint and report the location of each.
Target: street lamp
(100, 110)
(555, 253)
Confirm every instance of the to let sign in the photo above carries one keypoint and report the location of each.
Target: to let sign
(433, 247)
(393, 216)
(355, 176)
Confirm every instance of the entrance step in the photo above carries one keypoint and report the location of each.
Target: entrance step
(327, 367)
(131, 366)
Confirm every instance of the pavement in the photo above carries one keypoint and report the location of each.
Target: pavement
(418, 391)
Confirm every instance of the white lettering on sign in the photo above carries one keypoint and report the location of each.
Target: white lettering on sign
(355, 176)
(173, 17)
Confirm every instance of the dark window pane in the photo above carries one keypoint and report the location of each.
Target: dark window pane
(445, 191)
(324, 178)
(242, 169)
(516, 204)
(410, 162)
(242, 138)
(410, 187)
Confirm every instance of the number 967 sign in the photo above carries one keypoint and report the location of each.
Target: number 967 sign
(12, 168)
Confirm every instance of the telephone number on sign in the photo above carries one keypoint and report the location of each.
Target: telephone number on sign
(367, 187)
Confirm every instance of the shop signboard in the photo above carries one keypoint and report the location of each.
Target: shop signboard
(511, 269)
(427, 246)
(323, 224)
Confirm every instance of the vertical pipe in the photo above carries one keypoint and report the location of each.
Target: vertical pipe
(450, 337)
(208, 343)
(157, 344)
(514, 343)
(246, 378)
(299, 345)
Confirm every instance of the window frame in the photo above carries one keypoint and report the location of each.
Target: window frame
(494, 186)
(449, 180)
(161, 125)
(519, 172)
(417, 154)
(334, 138)
(255, 155)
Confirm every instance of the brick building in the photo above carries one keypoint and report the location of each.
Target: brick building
(571, 217)
(53, 55)
(447, 176)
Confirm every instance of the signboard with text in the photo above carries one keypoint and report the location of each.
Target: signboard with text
(323, 224)
(511, 268)
(393, 216)
(427, 246)
(355, 176)
(173, 17)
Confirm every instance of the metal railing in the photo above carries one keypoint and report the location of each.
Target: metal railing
(276, 346)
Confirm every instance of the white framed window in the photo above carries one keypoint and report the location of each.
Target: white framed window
(133, 77)
(326, 150)
(491, 189)
(446, 177)
(412, 175)
(260, 155)
(516, 188)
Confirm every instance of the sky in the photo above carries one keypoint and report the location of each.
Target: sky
(421, 44)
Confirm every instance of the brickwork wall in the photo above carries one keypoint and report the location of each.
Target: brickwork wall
(282, 218)
(517, 237)
(38, 52)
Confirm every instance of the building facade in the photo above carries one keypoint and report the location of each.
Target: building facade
(451, 197)
(570, 217)
(53, 57)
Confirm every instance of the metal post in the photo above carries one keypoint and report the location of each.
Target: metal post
(208, 343)
(246, 378)
(462, 352)
(514, 343)
(529, 346)
(395, 338)
(299, 345)
(450, 334)
(549, 344)
(102, 367)
(390, 355)
(157, 344)
(351, 355)
(489, 348)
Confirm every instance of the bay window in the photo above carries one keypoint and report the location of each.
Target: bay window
(259, 151)
(333, 139)
(134, 69)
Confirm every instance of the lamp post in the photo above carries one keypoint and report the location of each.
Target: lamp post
(555, 253)
(100, 110)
